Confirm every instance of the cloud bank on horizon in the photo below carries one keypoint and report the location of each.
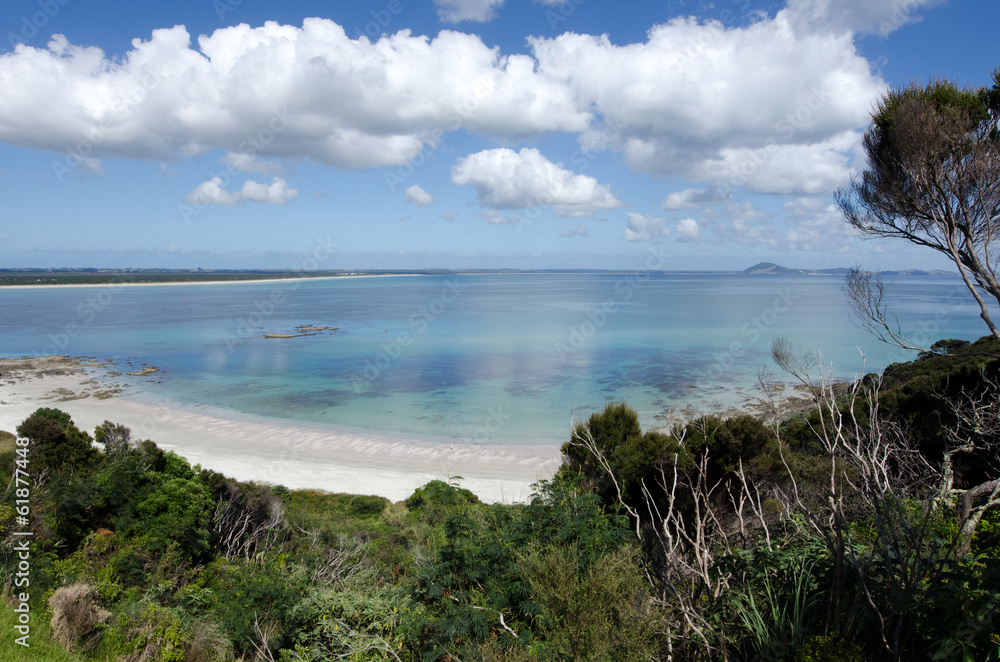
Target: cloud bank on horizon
(768, 106)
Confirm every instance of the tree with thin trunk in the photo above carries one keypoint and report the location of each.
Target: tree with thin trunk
(933, 179)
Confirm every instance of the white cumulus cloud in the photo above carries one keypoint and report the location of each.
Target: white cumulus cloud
(644, 228)
(866, 16)
(213, 193)
(275, 91)
(688, 230)
(817, 225)
(418, 196)
(506, 179)
(692, 198)
(774, 106)
(699, 95)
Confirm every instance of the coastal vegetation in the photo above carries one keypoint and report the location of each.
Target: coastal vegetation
(864, 529)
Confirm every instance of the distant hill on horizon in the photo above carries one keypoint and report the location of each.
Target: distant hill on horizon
(772, 269)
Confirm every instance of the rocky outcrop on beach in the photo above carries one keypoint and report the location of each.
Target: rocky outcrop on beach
(302, 331)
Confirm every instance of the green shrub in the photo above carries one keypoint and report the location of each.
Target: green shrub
(987, 538)
(75, 501)
(240, 594)
(177, 466)
(56, 442)
(617, 435)
(827, 649)
(95, 563)
(366, 506)
(149, 632)
(329, 624)
(596, 613)
(178, 511)
(281, 492)
(476, 575)
(440, 493)
(128, 566)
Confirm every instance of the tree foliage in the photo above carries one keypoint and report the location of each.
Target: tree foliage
(933, 179)
(56, 442)
(597, 613)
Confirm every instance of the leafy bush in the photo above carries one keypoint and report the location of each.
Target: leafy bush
(147, 632)
(242, 594)
(595, 613)
(476, 582)
(178, 511)
(329, 624)
(616, 434)
(988, 533)
(440, 493)
(635, 458)
(55, 441)
(281, 492)
(827, 649)
(71, 507)
(175, 466)
(98, 563)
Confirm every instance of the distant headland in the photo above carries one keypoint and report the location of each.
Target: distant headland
(771, 269)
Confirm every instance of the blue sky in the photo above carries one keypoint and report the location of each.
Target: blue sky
(456, 133)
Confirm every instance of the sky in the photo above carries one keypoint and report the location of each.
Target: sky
(411, 134)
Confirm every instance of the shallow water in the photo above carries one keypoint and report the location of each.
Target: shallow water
(499, 358)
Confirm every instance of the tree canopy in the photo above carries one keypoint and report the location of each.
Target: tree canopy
(56, 440)
(933, 179)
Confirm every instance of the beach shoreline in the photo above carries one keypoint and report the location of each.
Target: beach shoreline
(267, 450)
(174, 283)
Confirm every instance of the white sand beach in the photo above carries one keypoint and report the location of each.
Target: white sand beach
(268, 450)
(125, 283)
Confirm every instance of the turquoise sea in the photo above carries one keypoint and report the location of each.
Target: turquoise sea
(482, 358)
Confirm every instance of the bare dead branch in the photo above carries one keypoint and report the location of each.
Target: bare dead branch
(976, 431)
(865, 292)
(583, 437)
(264, 630)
